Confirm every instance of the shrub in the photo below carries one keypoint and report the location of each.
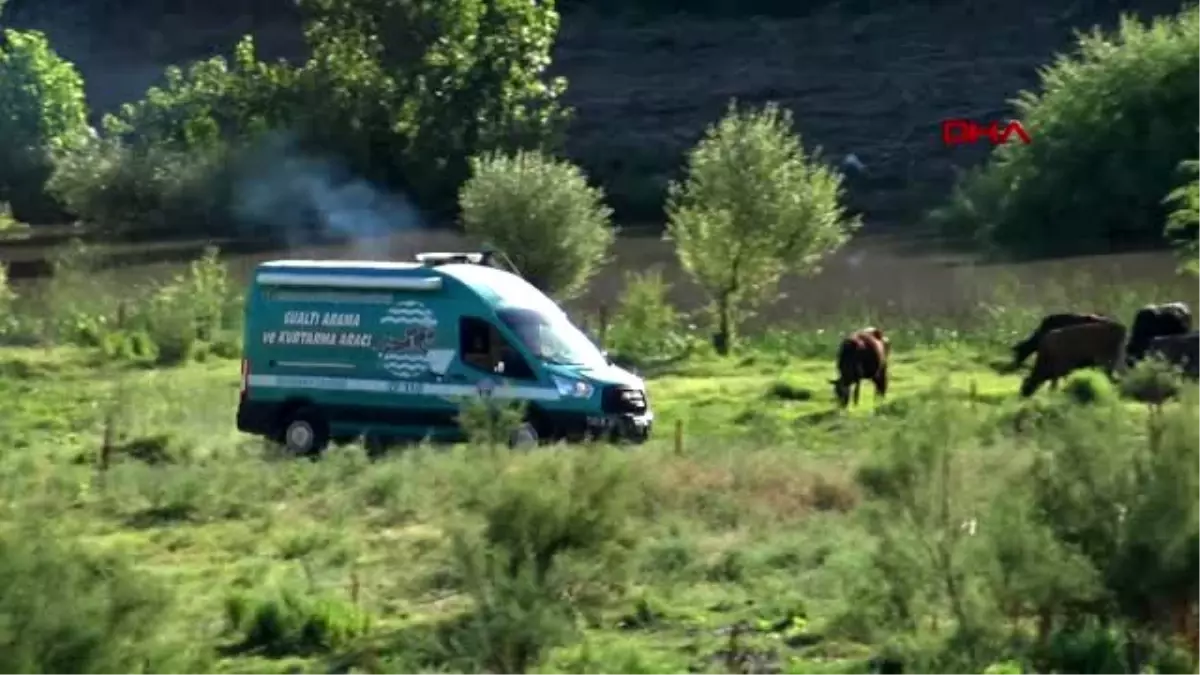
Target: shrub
(542, 214)
(404, 111)
(645, 325)
(1109, 128)
(1090, 387)
(1151, 381)
(549, 526)
(1183, 223)
(168, 160)
(66, 610)
(42, 110)
(282, 620)
(463, 78)
(753, 206)
(489, 422)
(187, 311)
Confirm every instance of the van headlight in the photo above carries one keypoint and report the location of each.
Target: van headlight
(572, 388)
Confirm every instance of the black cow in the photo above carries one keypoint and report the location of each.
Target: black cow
(1181, 351)
(1154, 321)
(1023, 349)
(1064, 350)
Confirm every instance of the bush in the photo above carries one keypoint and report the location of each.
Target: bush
(542, 214)
(169, 160)
(645, 325)
(488, 60)
(753, 206)
(283, 620)
(1183, 224)
(1152, 381)
(65, 610)
(42, 110)
(549, 526)
(1109, 128)
(404, 113)
(1090, 387)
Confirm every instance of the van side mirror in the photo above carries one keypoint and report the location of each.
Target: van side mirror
(607, 358)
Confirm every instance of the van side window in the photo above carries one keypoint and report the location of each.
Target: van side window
(483, 347)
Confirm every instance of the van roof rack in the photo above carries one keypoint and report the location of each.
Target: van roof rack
(433, 259)
(486, 257)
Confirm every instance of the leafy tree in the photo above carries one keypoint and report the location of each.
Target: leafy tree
(754, 205)
(1109, 127)
(1183, 224)
(42, 109)
(542, 214)
(397, 93)
(467, 76)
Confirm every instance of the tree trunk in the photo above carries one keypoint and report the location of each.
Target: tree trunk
(723, 339)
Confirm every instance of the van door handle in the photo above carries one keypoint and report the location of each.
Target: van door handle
(458, 378)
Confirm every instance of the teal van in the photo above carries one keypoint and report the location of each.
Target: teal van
(336, 350)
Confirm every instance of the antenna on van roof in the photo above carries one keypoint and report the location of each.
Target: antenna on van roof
(489, 253)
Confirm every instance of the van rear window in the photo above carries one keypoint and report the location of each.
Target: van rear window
(330, 296)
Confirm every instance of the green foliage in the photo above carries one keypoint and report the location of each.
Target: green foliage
(1090, 387)
(646, 326)
(282, 619)
(190, 309)
(542, 214)
(489, 422)
(168, 323)
(1183, 223)
(548, 527)
(168, 161)
(1152, 380)
(467, 76)
(754, 205)
(403, 111)
(42, 110)
(1109, 128)
(66, 610)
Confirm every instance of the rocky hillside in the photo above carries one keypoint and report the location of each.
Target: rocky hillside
(874, 84)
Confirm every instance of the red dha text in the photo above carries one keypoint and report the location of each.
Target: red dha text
(965, 132)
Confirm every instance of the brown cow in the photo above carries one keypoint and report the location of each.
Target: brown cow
(863, 355)
(1064, 350)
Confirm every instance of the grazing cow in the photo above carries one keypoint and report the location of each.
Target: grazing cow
(1064, 350)
(1023, 349)
(1153, 321)
(1181, 351)
(863, 355)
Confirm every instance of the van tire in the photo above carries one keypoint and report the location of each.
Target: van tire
(305, 433)
(524, 436)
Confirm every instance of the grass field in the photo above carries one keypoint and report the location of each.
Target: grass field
(735, 529)
(745, 549)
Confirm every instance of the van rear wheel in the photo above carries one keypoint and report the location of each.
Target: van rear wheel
(305, 433)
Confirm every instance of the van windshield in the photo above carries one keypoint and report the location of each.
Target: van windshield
(552, 337)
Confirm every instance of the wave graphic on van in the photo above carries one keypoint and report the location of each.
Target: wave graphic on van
(405, 365)
(410, 312)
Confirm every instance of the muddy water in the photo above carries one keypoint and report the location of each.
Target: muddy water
(873, 274)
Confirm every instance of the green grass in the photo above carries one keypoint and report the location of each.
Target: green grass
(347, 562)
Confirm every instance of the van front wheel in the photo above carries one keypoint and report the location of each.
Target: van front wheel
(305, 433)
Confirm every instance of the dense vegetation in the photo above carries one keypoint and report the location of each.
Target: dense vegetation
(954, 528)
(1110, 130)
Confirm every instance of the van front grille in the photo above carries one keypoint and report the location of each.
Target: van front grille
(623, 400)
